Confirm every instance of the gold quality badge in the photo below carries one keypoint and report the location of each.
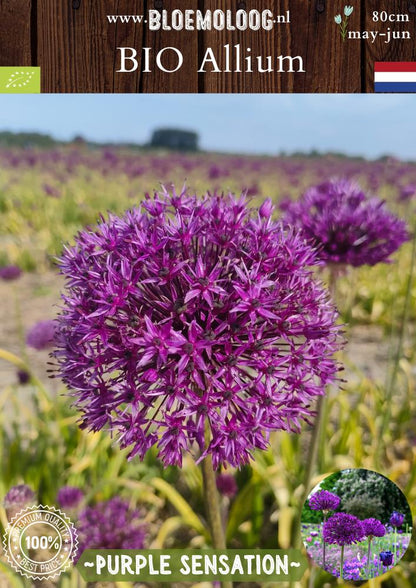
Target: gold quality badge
(40, 542)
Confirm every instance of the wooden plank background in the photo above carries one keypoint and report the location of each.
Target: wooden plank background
(76, 47)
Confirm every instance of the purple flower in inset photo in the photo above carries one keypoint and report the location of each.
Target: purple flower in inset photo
(324, 500)
(386, 558)
(373, 528)
(41, 335)
(111, 524)
(195, 325)
(69, 496)
(345, 225)
(10, 272)
(343, 529)
(396, 519)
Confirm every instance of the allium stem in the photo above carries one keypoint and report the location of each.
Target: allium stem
(213, 508)
(212, 501)
(317, 425)
(369, 558)
(341, 571)
(313, 450)
(399, 349)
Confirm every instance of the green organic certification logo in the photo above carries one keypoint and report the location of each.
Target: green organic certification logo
(19, 80)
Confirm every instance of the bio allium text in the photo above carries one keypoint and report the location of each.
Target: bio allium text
(225, 59)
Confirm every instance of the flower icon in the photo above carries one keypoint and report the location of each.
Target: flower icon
(343, 24)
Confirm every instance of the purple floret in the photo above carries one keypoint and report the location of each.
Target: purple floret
(226, 484)
(386, 558)
(111, 524)
(69, 496)
(345, 225)
(10, 272)
(19, 495)
(324, 500)
(407, 192)
(190, 314)
(373, 528)
(343, 529)
(396, 519)
(23, 376)
(41, 335)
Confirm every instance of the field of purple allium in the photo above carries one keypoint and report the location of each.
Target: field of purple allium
(356, 565)
(198, 337)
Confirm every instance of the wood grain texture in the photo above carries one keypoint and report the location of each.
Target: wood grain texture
(16, 38)
(403, 50)
(186, 78)
(331, 65)
(77, 47)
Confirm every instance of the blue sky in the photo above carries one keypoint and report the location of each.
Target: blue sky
(369, 125)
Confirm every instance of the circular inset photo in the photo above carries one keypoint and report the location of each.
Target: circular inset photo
(356, 524)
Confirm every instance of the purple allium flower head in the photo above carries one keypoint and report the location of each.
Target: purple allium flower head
(324, 500)
(373, 528)
(16, 499)
(69, 496)
(10, 272)
(186, 317)
(19, 496)
(111, 524)
(407, 192)
(386, 558)
(41, 335)
(345, 225)
(396, 519)
(343, 529)
(227, 485)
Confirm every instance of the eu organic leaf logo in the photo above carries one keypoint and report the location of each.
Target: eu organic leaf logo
(19, 79)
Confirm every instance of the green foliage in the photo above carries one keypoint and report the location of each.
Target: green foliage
(365, 506)
(365, 490)
(8, 139)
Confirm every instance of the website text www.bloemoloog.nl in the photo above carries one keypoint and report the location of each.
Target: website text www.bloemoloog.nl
(191, 20)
